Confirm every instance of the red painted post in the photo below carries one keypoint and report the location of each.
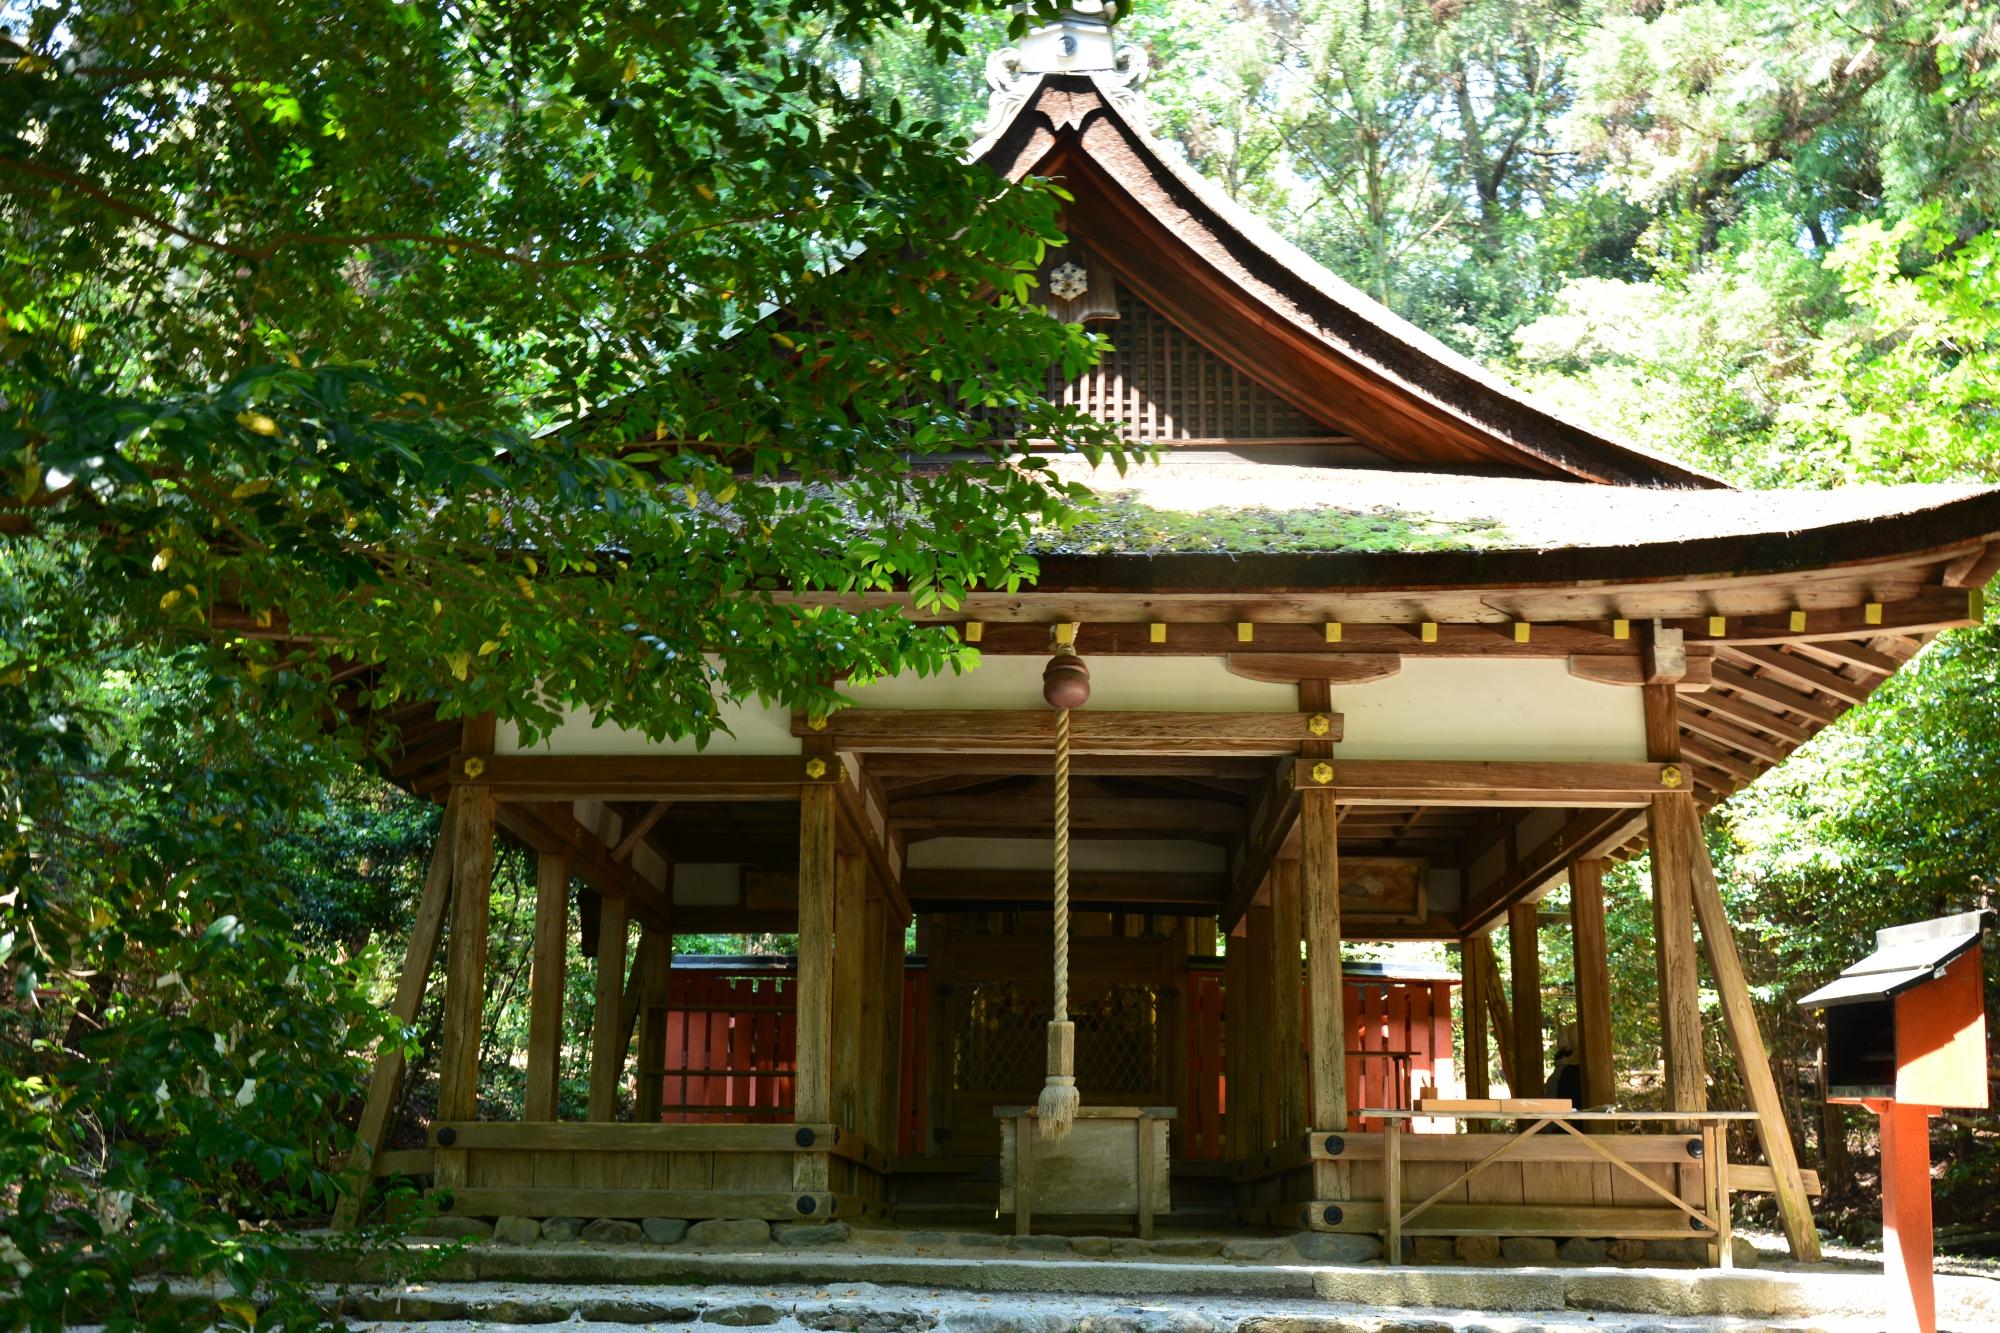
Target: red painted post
(1906, 1213)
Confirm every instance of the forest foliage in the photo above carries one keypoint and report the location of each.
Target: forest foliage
(301, 308)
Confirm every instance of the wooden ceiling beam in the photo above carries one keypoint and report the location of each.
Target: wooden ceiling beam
(1974, 569)
(554, 828)
(1715, 728)
(536, 777)
(1587, 835)
(933, 889)
(1800, 673)
(1091, 732)
(1764, 719)
(1164, 817)
(893, 766)
(1474, 783)
(1772, 690)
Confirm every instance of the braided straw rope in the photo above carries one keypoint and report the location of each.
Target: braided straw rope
(1062, 867)
(1056, 1111)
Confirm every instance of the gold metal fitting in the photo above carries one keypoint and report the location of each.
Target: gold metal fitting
(1670, 776)
(1322, 773)
(815, 768)
(1320, 724)
(474, 766)
(815, 724)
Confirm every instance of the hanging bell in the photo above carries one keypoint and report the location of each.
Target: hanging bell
(1066, 682)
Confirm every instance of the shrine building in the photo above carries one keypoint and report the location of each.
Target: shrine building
(1378, 650)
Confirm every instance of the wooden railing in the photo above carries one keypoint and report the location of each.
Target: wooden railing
(1698, 1146)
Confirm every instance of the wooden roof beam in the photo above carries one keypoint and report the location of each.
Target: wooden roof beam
(1789, 666)
(1588, 835)
(550, 827)
(1270, 825)
(1483, 783)
(1165, 817)
(540, 777)
(934, 889)
(1091, 732)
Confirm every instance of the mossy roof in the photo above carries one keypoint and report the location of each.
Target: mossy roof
(1221, 504)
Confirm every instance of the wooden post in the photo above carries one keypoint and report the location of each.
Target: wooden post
(386, 1083)
(1472, 1020)
(1319, 903)
(938, 1055)
(888, 973)
(812, 1088)
(1496, 1007)
(1239, 1097)
(1392, 1187)
(1908, 1241)
(848, 1031)
(607, 1031)
(545, 986)
(1593, 982)
(1673, 912)
(1288, 1071)
(1257, 1049)
(649, 1071)
(1524, 948)
(465, 972)
(1794, 1207)
(1319, 897)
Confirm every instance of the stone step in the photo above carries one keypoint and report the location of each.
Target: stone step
(1824, 1296)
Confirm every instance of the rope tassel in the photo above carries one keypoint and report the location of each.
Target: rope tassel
(1065, 683)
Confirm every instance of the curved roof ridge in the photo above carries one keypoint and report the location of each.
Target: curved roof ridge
(1116, 102)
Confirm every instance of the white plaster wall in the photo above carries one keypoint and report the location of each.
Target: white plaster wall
(1487, 708)
(1161, 855)
(753, 730)
(1450, 708)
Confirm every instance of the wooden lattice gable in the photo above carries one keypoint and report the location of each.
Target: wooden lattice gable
(1208, 269)
(1159, 384)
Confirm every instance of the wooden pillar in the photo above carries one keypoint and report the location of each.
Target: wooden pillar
(1288, 1070)
(812, 1084)
(887, 976)
(465, 957)
(386, 1083)
(1319, 898)
(1524, 948)
(1496, 1006)
(1319, 906)
(1239, 1099)
(655, 983)
(1472, 1020)
(941, 1038)
(847, 1018)
(1794, 1208)
(607, 1030)
(813, 1096)
(1260, 1101)
(465, 975)
(1673, 912)
(545, 986)
(1593, 983)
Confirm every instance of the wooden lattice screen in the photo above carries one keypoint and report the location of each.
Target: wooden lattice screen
(1160, 384)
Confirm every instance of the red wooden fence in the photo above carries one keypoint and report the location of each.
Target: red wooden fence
(731, 1030)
